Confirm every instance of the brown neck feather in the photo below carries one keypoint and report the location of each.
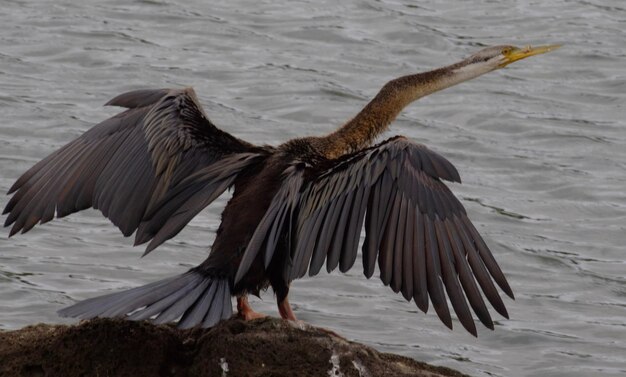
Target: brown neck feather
(376, 116)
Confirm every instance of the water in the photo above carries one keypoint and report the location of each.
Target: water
(540, 147)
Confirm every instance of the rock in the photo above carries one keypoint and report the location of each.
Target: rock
(265, 347)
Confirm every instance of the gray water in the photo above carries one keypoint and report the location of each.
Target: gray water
(540, 146)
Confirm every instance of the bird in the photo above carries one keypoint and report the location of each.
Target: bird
(294, 207)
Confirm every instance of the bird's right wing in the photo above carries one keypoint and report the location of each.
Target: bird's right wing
(415, 228)
(152, 167)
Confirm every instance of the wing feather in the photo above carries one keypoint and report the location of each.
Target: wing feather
(465, 276)
(480, 271)
(337, 243)
(420, 285)
(415, 228)
(487, 258)
(127, 165)
(353, 233)
(385, 257)
(408, 252)
(450, 279)
(398, 252)
(433, 274)
(320, 248)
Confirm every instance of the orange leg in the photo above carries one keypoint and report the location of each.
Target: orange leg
(245, 311)
(285, 310)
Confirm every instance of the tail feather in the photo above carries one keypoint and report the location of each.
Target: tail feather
(173, 312)
(227, 310)
(197, 299)
(125, 302)
(214, 314)
(163, 304)
(200, 308)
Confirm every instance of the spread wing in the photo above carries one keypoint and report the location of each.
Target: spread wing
(415, 228)
(152, 167)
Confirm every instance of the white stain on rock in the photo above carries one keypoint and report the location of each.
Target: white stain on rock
(335, 371)
(358, 365)
(224, 366)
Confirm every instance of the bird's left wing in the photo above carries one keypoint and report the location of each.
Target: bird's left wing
(149, 169)
(414, 226)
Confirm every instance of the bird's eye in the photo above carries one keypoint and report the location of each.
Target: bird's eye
(507, 50)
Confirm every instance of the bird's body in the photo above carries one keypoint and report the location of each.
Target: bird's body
(252, 195)
(294, 208)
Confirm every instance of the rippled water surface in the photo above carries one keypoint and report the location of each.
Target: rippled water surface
(540, 146)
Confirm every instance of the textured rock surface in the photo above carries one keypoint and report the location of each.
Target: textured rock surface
(266, 347)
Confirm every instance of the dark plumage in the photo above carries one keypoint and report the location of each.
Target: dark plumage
(295, 207)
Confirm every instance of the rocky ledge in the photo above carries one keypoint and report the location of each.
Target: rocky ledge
(266, 347)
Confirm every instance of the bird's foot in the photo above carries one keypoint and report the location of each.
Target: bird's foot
(285, 310)
(249, 315)
(245, 312)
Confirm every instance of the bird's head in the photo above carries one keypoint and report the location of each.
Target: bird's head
(487, 60)
(496, 57)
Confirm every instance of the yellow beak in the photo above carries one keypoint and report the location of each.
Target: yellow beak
(522, 53)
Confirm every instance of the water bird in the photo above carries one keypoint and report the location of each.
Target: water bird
(295, 207)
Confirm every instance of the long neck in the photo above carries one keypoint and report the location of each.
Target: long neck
(378, 114)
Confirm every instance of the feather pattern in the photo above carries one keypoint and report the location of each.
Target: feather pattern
(152, 168)
(196, 298)
(415, 228)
